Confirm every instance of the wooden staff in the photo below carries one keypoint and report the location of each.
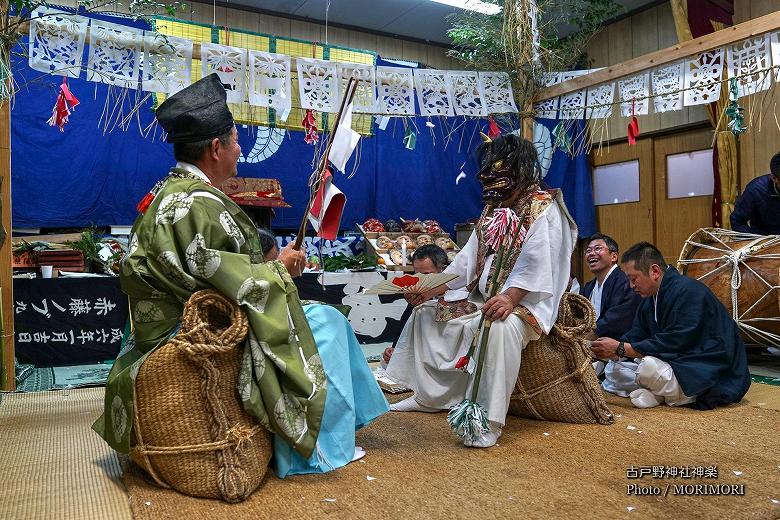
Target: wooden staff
(349, 94)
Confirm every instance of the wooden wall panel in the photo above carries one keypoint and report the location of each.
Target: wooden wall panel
(678, 219)
(762, 140)
(642, 33)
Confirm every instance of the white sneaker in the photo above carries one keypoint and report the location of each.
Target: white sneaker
(644, 398)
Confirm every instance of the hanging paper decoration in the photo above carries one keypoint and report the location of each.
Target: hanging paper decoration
(114, 54)
(269, 81)
(167, 64)
(600, 101)
(410, 138)
(365, 91)
(467, 94)
(318, 84)
(57, 42)
(775, 45)
(734, 111)
(497, 88)
(572, 105)
(493, 129)
(229, 63)
(634, 95)
(667, 82)
(750, 64)
(309, 124)
(63, 107)
(434, 95)
(395, 87)
(702, 78)
(548, 108)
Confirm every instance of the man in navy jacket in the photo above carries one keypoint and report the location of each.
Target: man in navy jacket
(615, 304)
(758, 208)
(689, 345)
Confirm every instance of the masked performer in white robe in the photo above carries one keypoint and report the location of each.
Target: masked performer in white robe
(530, 288)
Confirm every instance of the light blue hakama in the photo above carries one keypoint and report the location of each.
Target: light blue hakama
(353, 398)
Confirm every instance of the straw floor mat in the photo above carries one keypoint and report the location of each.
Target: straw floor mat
(415, 468)
(52, 465)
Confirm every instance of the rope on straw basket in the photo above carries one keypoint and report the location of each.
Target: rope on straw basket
(710, 238)
(576, 318)
(199, 339)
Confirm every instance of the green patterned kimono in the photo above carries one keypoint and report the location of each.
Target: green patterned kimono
(193, 237)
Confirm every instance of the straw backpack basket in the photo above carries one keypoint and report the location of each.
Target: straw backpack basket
(556, 380)
(191, 431)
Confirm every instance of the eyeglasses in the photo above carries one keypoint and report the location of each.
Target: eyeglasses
(596, 249)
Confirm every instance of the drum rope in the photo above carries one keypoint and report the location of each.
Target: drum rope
(734, 258)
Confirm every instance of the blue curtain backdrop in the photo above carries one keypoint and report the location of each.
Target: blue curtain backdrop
(83, 176)
(572, 174)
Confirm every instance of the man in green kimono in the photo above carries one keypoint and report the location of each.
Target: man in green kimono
(191, 236)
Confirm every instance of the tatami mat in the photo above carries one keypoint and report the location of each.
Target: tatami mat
(52, 465)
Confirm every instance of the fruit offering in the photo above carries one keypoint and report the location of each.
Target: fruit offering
(431, 226)
(374, 225)
(412, 226)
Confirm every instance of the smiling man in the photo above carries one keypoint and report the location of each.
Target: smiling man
(689, 346)
(615, 305)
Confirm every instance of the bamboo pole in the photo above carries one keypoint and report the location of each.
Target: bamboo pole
(7, 372)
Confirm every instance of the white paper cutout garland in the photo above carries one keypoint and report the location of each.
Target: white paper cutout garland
(634, 93)
(269, 80)
(702, 78)
(167, 63)
(750, 61)
(667, 83)
(548, 108)
(114, 54)
(229, 63)
(395, 87)
(365, 93)
(600, 100)
(317, 84)
(57, 42)
(468, 98)
(497, 89)
(434, 93)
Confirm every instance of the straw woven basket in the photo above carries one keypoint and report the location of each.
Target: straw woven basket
(191, 432)
(556, 380)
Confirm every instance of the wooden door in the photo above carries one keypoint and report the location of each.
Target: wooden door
(676, 219)
(628, 222)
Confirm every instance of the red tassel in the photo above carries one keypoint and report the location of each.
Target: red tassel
(633, 130)
(310, 126)
(63, 107)
(145, 202)
(633, 126)
(462, 363)
(493, 130)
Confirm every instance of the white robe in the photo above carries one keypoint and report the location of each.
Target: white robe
(426, 360)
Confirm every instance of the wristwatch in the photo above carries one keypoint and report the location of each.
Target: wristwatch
(621, 350)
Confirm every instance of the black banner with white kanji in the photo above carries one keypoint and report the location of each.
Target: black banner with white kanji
(68, 321)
